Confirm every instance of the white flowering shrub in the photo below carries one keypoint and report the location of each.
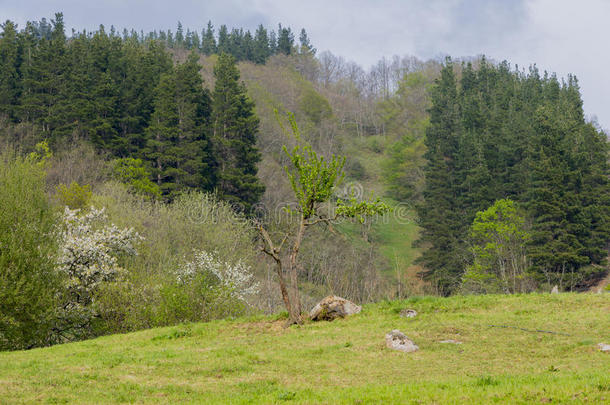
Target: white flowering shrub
(236, 278)
(88, 257)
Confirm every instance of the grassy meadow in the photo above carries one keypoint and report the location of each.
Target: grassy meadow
(257, 360)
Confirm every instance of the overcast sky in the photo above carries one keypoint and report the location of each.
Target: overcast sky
(563, 36)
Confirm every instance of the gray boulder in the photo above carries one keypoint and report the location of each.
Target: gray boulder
(408, 313)
(399, 341)
(333, 307)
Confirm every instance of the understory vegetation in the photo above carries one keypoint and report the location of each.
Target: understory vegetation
(148, 180)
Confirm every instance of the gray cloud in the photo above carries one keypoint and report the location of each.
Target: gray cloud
(559, 35)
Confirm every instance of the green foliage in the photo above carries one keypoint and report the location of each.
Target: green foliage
(132, 173)
(74, 196)
(315, 107)
(499, 238)
(235, 128)
(497, 134)
(178, 147)
(313, 179)
(149, 293)
(28, 283)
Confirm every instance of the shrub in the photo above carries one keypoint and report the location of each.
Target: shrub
(28, 282)
(149, 293)
(134, 175)
(74, 196)
(88, 258)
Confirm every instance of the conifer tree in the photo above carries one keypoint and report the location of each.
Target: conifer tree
(260, 48)
(177, 146)
(223, 40)
(44, 78)
(9, 76)
(179, 39)
(439, 213)
(285, 40)
(306, 47)
(208, 41)
(235, 128)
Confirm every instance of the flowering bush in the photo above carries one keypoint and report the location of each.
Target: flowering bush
(88, 257)
(236, 278)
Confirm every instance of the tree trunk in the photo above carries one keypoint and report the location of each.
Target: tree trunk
(296, 300)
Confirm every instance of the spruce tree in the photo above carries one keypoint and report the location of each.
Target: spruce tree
(177, 146)
(9, 76)
(439, 214)
(44, 78)
(208, 41)
(285, 40)
(223, 40)
(235, 127)
(260, 48)
(306, 47)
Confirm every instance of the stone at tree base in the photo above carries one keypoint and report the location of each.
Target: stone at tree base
(333, 307)
(399, 341)
(408, 313)
(604, 347)
(555, 290)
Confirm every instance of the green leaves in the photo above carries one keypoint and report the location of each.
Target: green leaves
(314, 180)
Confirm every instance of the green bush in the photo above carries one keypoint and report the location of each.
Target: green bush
(149, 293)
(28, 280)
(74, 196)
(315, 107)
(134, 174)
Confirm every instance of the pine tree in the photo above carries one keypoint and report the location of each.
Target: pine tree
(179, 39)
(439, 213)
(223, 40)
(306, 47)
(260, 51)
(235, 128)
(177, 146)
(208, 41)
(44, 77)
(285, 40)
(9, 76)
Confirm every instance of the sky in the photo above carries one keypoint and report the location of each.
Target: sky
(562, 36)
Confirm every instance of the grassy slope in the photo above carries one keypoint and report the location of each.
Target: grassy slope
(256, 360)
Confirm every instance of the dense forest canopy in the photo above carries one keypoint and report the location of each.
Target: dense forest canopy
(496, 133)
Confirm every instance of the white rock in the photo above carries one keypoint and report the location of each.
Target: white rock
(604, 347)
(451, 341)
(399, 341)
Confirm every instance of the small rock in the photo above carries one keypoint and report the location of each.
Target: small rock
(604, 347)
(451, 341)
(555, 290)
(399, 341)
(408, 313)
(333, 307)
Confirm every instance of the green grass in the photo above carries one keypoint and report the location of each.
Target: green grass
(257, 361)
(393, 235)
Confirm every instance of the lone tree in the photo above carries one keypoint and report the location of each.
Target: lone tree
(313, 179)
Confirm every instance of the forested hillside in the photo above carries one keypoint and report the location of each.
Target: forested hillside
(168, 148)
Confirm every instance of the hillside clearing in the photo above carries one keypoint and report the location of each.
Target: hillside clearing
(256, 360)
